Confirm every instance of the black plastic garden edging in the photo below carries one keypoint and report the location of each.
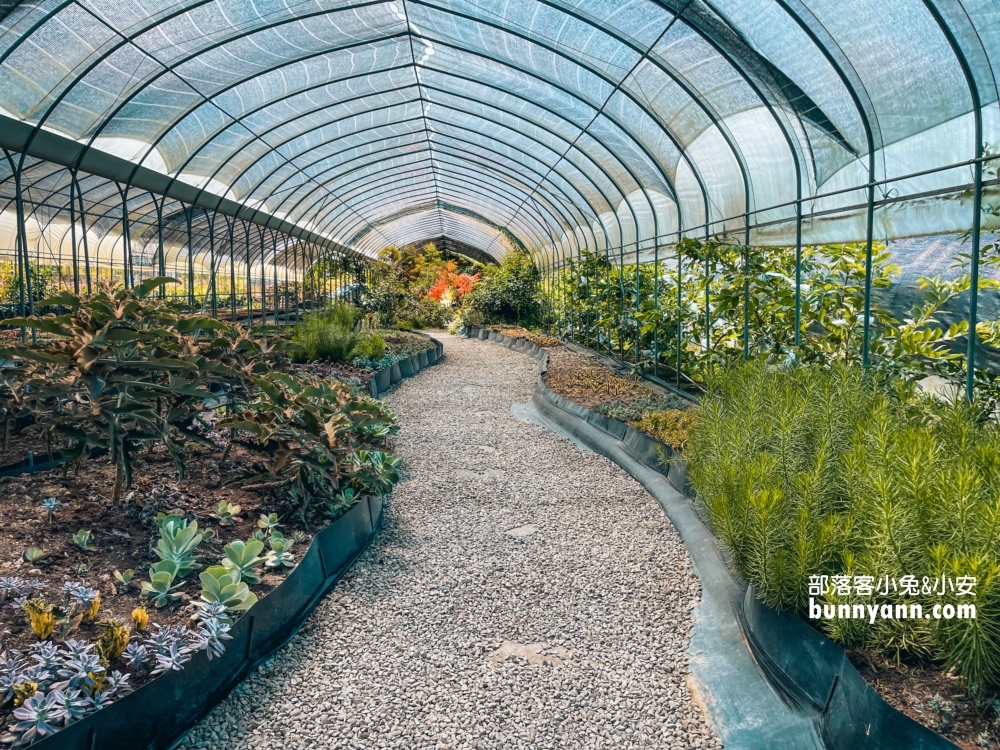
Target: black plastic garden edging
(767, 679)
(158, 714)
(383, 380)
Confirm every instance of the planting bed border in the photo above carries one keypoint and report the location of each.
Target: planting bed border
(771, 680)
(158, 714)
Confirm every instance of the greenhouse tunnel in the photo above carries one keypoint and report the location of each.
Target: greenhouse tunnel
(684, 176)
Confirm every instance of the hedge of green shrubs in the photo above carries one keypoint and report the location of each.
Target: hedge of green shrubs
(810, 472)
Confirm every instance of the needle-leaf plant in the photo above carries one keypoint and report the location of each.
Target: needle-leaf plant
(805, 471)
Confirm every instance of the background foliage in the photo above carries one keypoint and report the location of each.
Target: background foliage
(693, 312)
(508, 293)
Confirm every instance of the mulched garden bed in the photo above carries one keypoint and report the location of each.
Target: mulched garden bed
(933, 697)
(404, 343)
(583, 378)
(124, 536)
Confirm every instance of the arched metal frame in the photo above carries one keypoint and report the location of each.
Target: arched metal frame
(558, 171)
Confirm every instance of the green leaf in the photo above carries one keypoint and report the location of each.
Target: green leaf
(149, 285)
(190, 325)
(48, 325)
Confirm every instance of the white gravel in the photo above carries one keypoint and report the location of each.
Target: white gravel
(522, 594)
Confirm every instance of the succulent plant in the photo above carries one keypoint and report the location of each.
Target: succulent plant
(40, 617)
(83, 672)
(46, 655)
(11, 585)
(91, 614)
(72, 704)
(8, 683)
(50, 505)
(114, 638)
(140, 618)
(161, 587)
(38, 717)
(38, 675)
(80, 595)
(173, 659)
(117, 684)
(244, 557)
(136, 655)
(35, 585)
(222, 585)
(268, 523)
(207, 610)
(12, 661)
(75, 648)
(178, 541)
(213, 632)
(35, 555)
(125, 578)
(24, 690)
(84, 540)
(227, 513)
(163, 637)
(298, 536)
(279, 558)
(98, 699)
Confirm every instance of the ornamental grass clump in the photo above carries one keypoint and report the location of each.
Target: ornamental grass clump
(810, 472)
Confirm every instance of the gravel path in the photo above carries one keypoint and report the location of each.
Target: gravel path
(522, 594)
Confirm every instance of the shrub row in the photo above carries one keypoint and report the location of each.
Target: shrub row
(811, 472)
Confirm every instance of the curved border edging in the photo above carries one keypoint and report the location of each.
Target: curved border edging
(822, 696)
(157, 715)
(384, 380)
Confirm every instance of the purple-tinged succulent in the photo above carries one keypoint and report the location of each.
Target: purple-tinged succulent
(39, 716)
(117, 684)
(173, 660)
(73, 705)
(136, 655)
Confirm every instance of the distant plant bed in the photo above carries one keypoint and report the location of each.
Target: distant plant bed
(198, 464)
(626, 398)
(341, 342)
(586, 381)
(333, 335)
(403, 343)
(516, 332)
(820, 482)
(419, 287)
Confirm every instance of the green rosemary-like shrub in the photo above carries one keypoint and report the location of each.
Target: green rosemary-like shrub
(328, 334)
(809, 471)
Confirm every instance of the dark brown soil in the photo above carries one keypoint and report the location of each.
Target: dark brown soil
(587, 382)
(125, 536)
(913, 689)
(348, 374)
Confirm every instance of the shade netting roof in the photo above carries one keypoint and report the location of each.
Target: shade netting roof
(545, 124)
